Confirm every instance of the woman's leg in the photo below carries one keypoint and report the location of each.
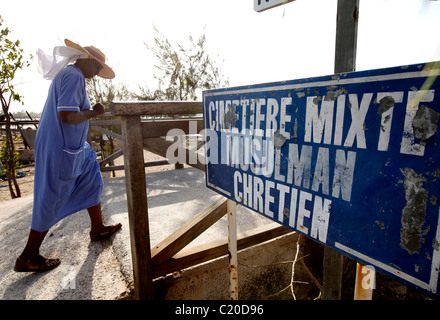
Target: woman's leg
(98, 229)
(30, 259)
(95, 215)
(32, 248)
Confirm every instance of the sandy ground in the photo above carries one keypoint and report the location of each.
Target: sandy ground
(26, 185)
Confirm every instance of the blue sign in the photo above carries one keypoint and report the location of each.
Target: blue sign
(350, 160)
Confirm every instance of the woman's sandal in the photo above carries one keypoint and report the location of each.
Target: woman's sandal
(105, 232)
(39, 264)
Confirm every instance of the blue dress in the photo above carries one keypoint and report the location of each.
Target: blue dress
(67, 176)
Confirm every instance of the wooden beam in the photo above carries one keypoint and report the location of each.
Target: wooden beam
(160, 147)
(137, 207)
(345, 61)
(114, 122)
(346, 35)
(146, 165)
(107, 132)
(110, 158)
(232, 250)
(160, 128)
(192, 256)
(189, 231)
(156, 108)
(332, 275)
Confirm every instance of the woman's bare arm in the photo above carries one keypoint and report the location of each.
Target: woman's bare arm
(75, 117)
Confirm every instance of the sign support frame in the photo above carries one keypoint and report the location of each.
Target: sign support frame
(345, 61)
(232, 249)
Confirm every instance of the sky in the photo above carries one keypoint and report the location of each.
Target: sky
(292, 41)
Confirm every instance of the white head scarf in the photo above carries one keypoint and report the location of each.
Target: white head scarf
(50, 66)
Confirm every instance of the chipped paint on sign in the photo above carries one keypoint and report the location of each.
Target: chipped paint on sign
(413, 214)
(350, 160)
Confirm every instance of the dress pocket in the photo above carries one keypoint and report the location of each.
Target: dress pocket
(72, 163)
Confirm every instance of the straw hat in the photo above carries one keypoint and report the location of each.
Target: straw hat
(106, 72)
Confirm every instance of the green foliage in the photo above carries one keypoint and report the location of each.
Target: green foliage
(11, 60)
(7, 157)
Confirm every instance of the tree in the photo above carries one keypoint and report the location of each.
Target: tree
(105, 91)
(11, 60)
(183, 70)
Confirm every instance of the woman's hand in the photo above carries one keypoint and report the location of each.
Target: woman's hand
(98, 109)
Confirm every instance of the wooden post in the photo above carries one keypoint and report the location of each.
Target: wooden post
(365, 282)
(346, 35)
(232, 250)
(345, 61)
(177, 165)
(332, 275)
(137, 207)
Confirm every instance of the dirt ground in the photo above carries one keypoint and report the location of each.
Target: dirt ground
(25, 183)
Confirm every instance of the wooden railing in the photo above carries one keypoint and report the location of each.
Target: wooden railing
(169, 255)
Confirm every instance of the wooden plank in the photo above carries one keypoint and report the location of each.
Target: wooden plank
(114, 122)
(192, 256)
(189, 231)
(156, 108)
(146, 165)
(346, 35)
(332, 275)
(137, 207)
(160, 146)
(110, 158)
(157, 145)
(20, 122)
(107, 132)
(232, 250)
(112, 168)
(160, 128)
(345, 61)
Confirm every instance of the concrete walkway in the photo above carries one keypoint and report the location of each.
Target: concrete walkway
(102, 270)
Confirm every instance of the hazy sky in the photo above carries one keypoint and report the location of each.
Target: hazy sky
(292, 41)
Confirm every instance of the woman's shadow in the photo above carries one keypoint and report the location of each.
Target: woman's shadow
(74, 278)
